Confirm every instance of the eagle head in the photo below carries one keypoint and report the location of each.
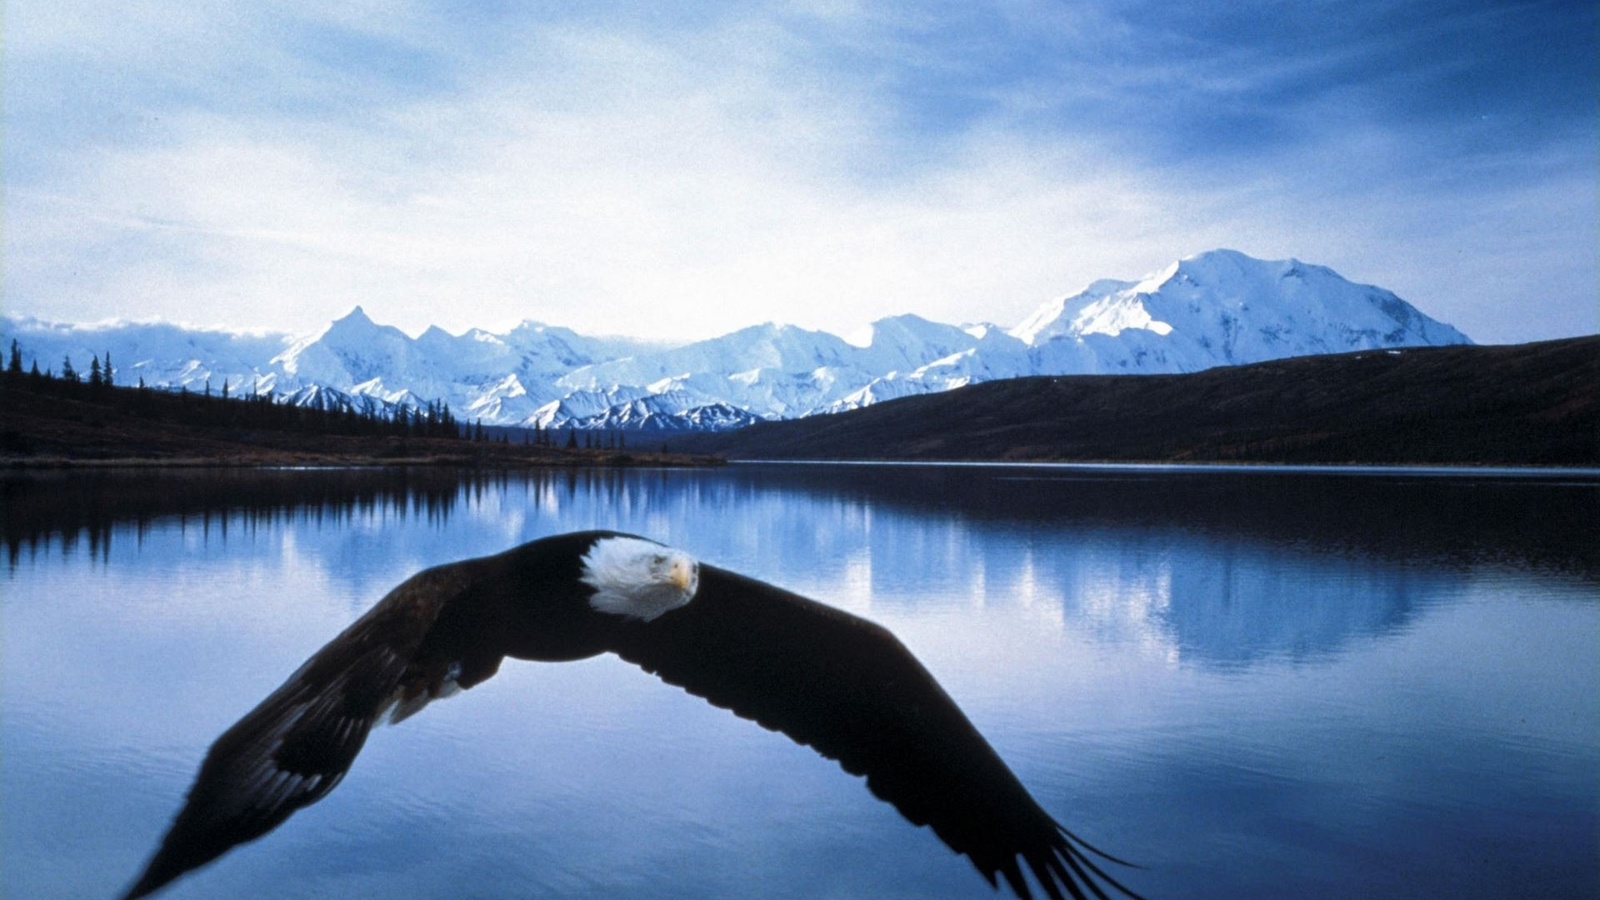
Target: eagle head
(638, 579)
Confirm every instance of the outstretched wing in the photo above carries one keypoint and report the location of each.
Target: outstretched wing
(850, 690)
(298, 743)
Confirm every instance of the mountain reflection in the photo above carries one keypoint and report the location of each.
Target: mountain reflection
(1222, 568)
(1534, 521)
(1229, 604)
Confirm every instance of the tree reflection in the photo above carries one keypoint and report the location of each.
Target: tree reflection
(1225, 568)
(88, 506)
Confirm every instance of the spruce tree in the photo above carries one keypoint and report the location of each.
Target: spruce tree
(15, 366)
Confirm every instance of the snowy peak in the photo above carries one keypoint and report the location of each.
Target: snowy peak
(356, 327)
(909, 342)
(1222, 308)
(1057, 318)
(351, 350)
(750, 354)
(355, 318)
(434, 335)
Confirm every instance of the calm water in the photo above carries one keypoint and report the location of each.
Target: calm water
(1254, 684)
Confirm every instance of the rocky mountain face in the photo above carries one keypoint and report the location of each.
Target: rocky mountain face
(1215, 309)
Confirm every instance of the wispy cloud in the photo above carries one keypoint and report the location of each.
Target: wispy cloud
(620, 168)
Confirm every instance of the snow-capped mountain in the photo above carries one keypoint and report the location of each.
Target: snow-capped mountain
(1225, 308)
(159, 353)
(1216, 308)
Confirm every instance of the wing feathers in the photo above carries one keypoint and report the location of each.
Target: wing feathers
(852, 691)
(297, 744)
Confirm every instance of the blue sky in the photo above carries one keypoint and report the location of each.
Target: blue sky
(661, 172)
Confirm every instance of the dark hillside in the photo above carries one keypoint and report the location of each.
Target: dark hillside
(1527, 404)
(46, 422)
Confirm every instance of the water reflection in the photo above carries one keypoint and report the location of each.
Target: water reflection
(83, 507)
(1527, 522)
(1255, 684)
(1220, 569)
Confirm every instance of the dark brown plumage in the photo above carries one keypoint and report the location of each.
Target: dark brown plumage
(832, 681)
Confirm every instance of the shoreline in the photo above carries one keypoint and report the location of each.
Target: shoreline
(606, 461)
(1200, 466)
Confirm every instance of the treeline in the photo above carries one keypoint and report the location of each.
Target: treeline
(565, 438)
(251, 411)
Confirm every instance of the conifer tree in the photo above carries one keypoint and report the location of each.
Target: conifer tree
(68, 373)
(14, 367)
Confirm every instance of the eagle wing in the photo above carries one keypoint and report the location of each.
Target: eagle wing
(827, 679)
(850, 690)
(297, 744)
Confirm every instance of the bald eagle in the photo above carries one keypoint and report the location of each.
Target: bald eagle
(829, 680)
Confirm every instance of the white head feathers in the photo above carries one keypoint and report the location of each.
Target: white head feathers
(637, 578)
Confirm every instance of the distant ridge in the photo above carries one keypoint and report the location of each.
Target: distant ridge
(1528, 404)
(1216, 308)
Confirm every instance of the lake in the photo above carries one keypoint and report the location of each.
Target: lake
(1251, 682)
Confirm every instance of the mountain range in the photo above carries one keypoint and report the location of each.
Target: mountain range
(1218, 308)
(1534, 404)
